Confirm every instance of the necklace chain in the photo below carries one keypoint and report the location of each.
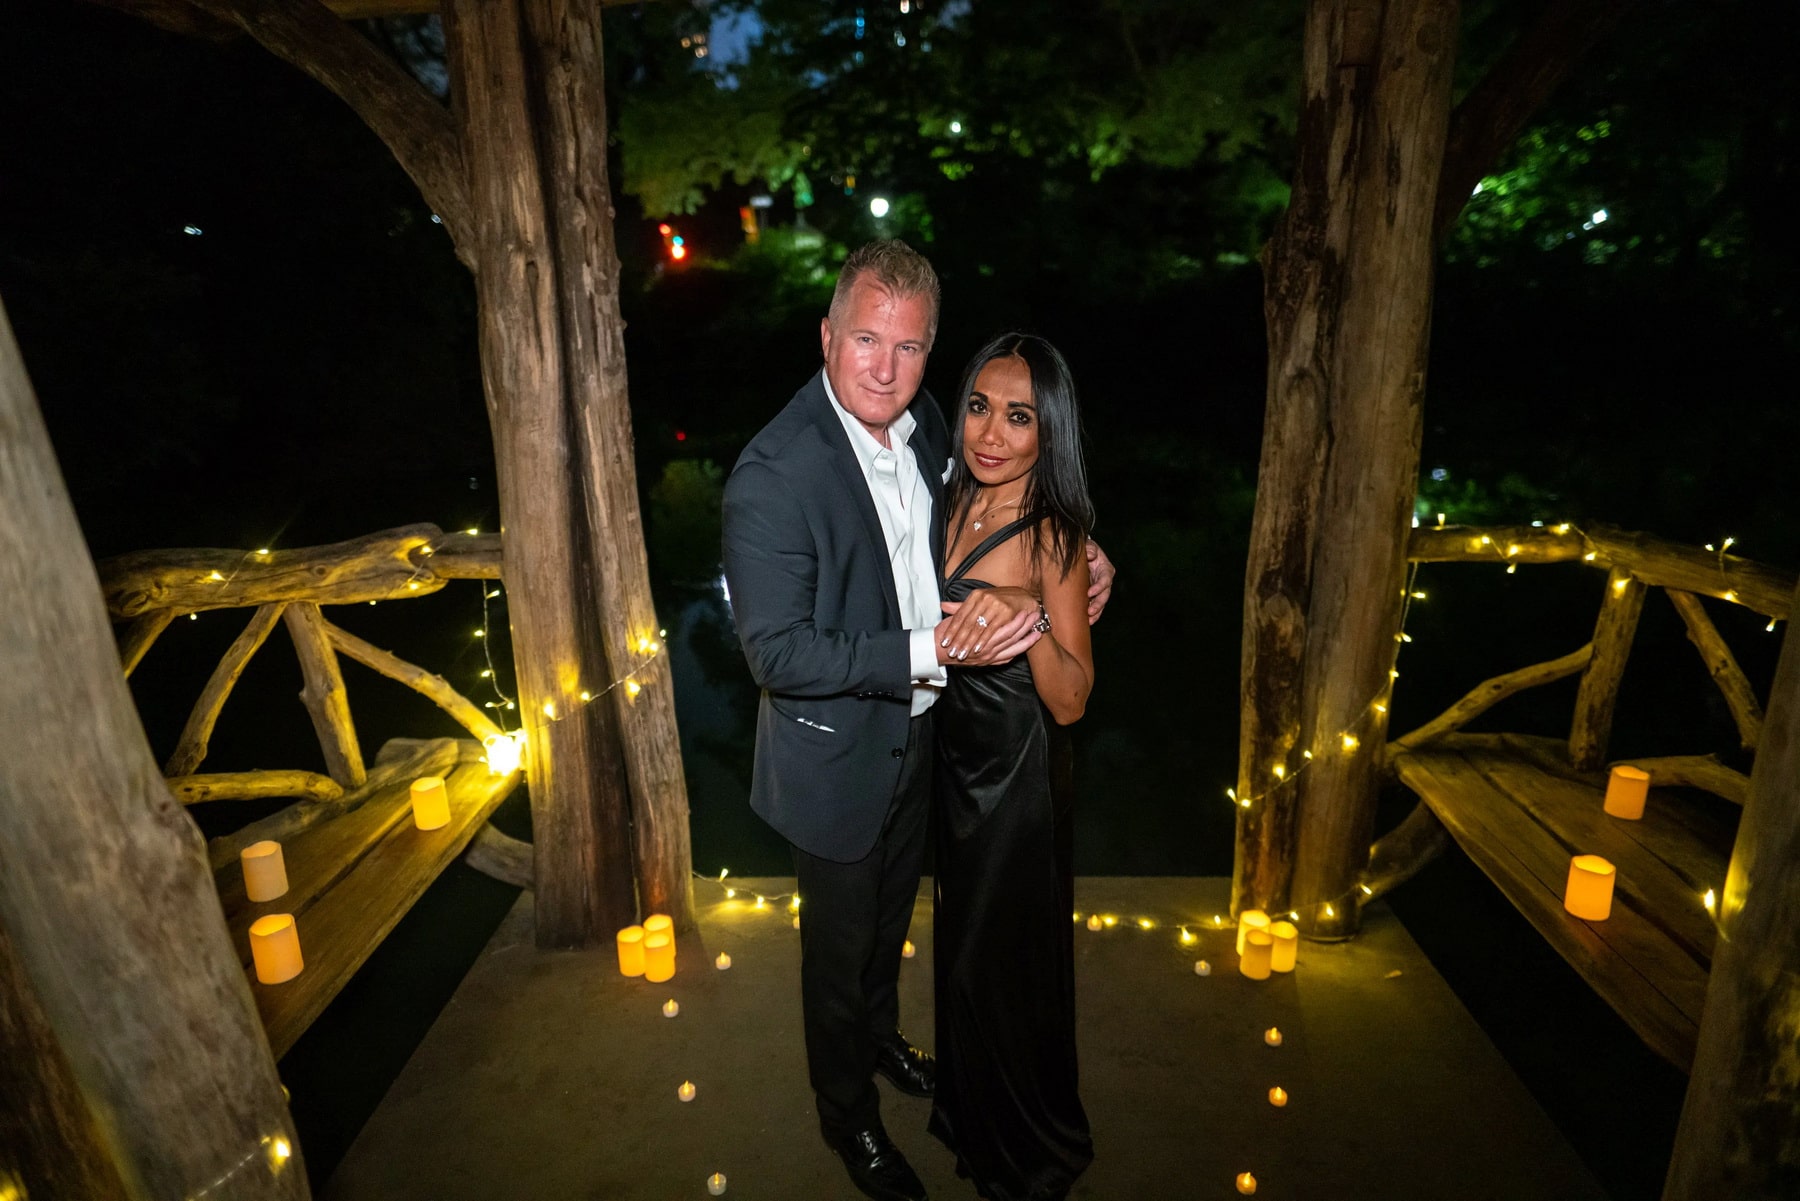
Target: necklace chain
(975, 522)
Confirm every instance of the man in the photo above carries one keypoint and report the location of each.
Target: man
(833, 540)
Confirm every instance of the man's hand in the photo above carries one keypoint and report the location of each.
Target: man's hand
(1101, 574)
(992, 626)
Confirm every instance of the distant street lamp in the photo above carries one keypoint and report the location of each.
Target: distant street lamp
(878, 207)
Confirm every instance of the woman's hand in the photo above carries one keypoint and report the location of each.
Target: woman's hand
(992, 626)
(1101, 574)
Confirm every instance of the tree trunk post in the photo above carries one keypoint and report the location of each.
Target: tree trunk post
(136, 1009)
(579, 794)
(564, 52)
(1348, 305)
(1736, 1137)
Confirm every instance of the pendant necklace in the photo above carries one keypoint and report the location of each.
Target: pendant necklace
(975, 523)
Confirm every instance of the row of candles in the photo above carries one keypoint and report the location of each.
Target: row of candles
(1589, 892)
(275, 937)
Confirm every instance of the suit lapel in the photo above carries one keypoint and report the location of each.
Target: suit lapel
(849, 470)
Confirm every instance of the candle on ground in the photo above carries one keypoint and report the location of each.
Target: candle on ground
(1248, 920)
(1278, 1096)
(430, 803)
(631, 951)
(1246, 1183)
(715, 1184)
(659, 923)
(1258, 947)
(659, 958)
(1285, 949)
(1272, 1036)
(670, 1008)
(1094, 922)
(722, 962)
(1626, 789)
(907, 950)
(1202, 968)
(265, 871)
(1590, 891)
(275, 948)
(686, 1091)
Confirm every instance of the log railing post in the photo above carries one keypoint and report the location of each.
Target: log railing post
(190, 748)
(327, 703)
(1736, 1137)
(1591, 729)
(141, 1014)
(1722, 665)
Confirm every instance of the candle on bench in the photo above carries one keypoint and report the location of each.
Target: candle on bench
(1626, 789)
(1248, 920)
(1285, 948)
(1258, 945)
(1590, 891)
(631, 951)
(430, 803)
(659, 957)
(275, 948)
(265, 871)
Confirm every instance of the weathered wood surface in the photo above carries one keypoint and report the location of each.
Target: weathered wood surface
(418, 679)
(580, 798)
(190, 748)
(375, 567)
(326, 700)
(103, 879)
(1507, 544)
(1591, 728)
(1722, 665)
(1403, 852)
(401, 759)
(1490, 693)
(501, 856)
(1737, 1132)
(1644, 960)
(563, 48)
(350, 880)
(1696, 771)
(1347, 302)
(465, 556)
(140, 635)
(254, 785)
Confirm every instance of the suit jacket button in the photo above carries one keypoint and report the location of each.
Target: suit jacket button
(899, 752)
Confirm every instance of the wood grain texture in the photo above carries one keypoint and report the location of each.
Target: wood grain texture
(326, 700)
(140, 635)
(1696, 771)
(428, 684)
(1591, 728)
(501, 857)
(190, 748)
(254, 785)
(1722, 666)
(104, 894)
(1491, 692)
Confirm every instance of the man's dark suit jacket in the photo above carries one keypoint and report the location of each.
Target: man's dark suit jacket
(812, 592)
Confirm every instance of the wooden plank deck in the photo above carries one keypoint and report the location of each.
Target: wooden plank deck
(1520, 812)
(350, 880)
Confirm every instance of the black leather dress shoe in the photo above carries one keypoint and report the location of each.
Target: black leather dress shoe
(876, 1166)
(907, 1068)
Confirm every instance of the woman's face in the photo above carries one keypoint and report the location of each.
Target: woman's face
(1000, 424)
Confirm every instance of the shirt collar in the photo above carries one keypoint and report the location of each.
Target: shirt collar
(900, 430)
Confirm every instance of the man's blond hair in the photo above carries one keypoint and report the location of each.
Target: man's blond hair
(895, 266)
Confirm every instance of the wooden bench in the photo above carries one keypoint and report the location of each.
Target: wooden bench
(1520, 811)
(353, 876)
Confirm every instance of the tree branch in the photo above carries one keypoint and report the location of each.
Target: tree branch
(1492, 115)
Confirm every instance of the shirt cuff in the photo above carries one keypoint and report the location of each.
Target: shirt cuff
(925, 667)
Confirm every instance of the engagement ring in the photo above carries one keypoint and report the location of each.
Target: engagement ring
(981, 621)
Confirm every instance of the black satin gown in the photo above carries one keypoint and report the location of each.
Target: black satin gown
(1007, 1101)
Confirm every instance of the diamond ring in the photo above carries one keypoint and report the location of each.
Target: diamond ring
(981, 621)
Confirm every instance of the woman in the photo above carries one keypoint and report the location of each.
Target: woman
(1006, 1100)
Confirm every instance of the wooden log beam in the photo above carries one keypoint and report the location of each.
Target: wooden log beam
(190, 749)
(1592, 727)
(563, 49)
(111, 918)
(1743, 1103)
(1722, 665)
(502, 857)
(1664, 564)
(1490, 693)
(1704, 772)
(436, 687)
(1507, 544)
(375, 567)
(466, 556)
(255, 785)
(139, 636)
(1403, 853)
(1347, 301)
(326, 701)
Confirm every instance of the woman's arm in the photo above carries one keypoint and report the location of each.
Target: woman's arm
(1062, 662)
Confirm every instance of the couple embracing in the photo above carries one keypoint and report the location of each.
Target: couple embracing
(890, 685)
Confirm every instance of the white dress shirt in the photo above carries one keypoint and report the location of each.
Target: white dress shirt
(903, 502)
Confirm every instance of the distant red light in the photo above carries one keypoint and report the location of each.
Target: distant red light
(665, 229)
(681, 435)
(678, 252)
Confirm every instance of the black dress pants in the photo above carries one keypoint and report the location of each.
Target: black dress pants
(852, 927)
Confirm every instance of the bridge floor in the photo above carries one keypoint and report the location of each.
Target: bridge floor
(550, 1077)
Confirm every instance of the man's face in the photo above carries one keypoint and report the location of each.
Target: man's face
(875, 356)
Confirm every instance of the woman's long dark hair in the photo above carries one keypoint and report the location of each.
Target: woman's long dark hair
(1057, 491)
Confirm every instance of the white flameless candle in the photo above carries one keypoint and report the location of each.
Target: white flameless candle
(1284, 952)
(275, 948)
(1258, 949)
(265, 871)
(1202, 968)
(686, 1091)
(1590, 891)
(631, 951)
(1248, 920)
(715, 1184)
(722, 962)
(1626, 789)
(1278, 1096)
(1272, 1036)
(430, 803)
(670, 1008)
(1094, 922)
(907, 950)
(1246, 1183)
